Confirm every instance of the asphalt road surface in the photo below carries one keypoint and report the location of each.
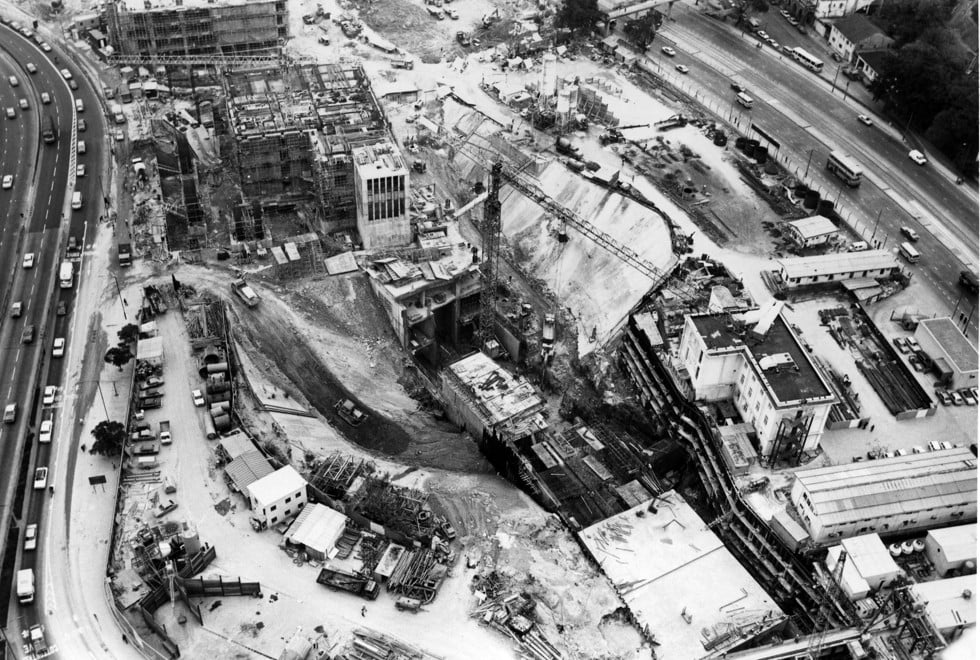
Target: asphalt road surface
(809, 117)
(44, 177)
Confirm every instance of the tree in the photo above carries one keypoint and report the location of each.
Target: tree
(642, 30)
(118, 355)
(578, 15)
(109, 438)
(128, 333)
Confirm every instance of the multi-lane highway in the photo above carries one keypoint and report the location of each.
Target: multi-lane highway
(799, 109)
(37, 219)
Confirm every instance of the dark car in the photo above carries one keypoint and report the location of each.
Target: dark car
(738, 88)
(969, 281)
(28, 335)
(62, 308)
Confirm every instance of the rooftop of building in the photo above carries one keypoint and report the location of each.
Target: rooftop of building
(334, 98)
(608, 6)
(181, 5)
(875, 58)
(379, 159)
(958, 543)
(248, 467)
(956, 345)
(886, 486)
(501, 396)
(813, 227)
(667, 564)
(273, 487)
(951, 603)
(837, 262)
(776, 354)
(868, 555)
(856, 28)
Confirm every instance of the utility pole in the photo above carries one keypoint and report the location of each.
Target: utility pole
(808, 163)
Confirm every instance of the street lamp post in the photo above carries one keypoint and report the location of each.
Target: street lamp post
(833, 87)
(808, 163)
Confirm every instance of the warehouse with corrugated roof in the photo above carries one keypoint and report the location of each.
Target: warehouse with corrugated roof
(887, 496)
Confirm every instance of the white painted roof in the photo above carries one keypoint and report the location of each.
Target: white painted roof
(837, 262)
(273, 487)
(958, 543)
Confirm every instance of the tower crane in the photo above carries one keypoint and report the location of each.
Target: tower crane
(825, 612)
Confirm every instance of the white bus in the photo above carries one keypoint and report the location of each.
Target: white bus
(910, 253)
(845, 167)
(806, 59)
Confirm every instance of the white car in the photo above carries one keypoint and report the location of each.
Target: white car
(864, 119)
(10, 112)
(668, 51)
(30, 537)
(13, 81)
(120, 136)
(45, 98)
(683, 69)
(29, 260)
(66, 74)
(40, 478)
(44, 434)
(198, 398)
(59, 347)
(45, 46)
(24, 105)
(917, 157)
(50, 392)
(8, 181)
(31, 68)
(763, 35)
(80, 170)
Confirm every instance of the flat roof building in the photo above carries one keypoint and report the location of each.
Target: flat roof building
(950, 603)
(484, 397)
(755, 358)
(887, 496)
(680, 583)
(868, 566)
(802, 271)
(381, 190)
(815, 230)
(317, 529)
(952, 548)
(276, 498)
(197, 27)
(953, 354)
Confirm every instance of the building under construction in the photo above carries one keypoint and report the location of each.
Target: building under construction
(167, 28)
(293, 131)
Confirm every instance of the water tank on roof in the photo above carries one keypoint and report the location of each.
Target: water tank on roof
(918, 545)
(907, 548)
(895, 549)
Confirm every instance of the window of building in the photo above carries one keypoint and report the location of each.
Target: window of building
(288, 499)
(742, 379)
(757, 406)
(274, 521)
(299, 494)
(286, 513)
(765, 420)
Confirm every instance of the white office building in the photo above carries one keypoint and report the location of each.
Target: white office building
(381, 189)
(276, 497)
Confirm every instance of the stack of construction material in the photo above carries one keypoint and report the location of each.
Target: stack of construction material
(512, 614)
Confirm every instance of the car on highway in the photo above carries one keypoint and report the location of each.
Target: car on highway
(198, 397)
(970, 281)
(10, 112)
(81, 125)
(59, 347)
(40, 478)
(80, 170)
(66, 74)
(45, 46)
(27, 336)
(668, 51)
(910, 233)
(30, 537)
(864, 119)
(16, 309)
(50, 392)
(31, 68)
(8, 181)
(80, 147)
(29, 260)
(62, 308)
(13, 81)
(44, 433)
(24, 105)
(10, 413)
(738, 88)
(772, 42)
(72, 85)
(917, 157)
(45, 98)
(763, 35)
(683, 69)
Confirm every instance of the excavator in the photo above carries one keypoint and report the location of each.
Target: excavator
(616, 134)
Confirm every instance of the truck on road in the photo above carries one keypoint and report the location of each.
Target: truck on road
(66, 275)
(74, 250)
(245, 292)
(165, 438)
(353, 583)
(118, 116)
(25, 586)
(125, 254)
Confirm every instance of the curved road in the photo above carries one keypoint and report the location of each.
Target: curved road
(44, 180)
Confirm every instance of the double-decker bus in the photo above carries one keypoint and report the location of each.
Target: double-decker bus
(845, 167)
(806, 59)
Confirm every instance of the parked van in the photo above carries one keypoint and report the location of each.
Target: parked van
(146, 462)
(76, 200)
(744, 100)
(79, 105)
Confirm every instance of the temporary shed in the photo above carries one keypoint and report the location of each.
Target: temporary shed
(815, 230)
(952, 548)
(150, 350)
(943, 341)
(277, 497)
(317, 528)
(247, 468)
(867, 567)
(950, 603)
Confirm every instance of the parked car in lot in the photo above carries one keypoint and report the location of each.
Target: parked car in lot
(944, 397)
(913, 344)
(968, 397)
(957, 398)
(900, 344)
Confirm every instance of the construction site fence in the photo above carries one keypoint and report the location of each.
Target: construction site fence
(199, 587)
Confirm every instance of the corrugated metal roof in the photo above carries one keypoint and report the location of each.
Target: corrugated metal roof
(247, 469)
(813, 227)
(317, 527)
(836, 263)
